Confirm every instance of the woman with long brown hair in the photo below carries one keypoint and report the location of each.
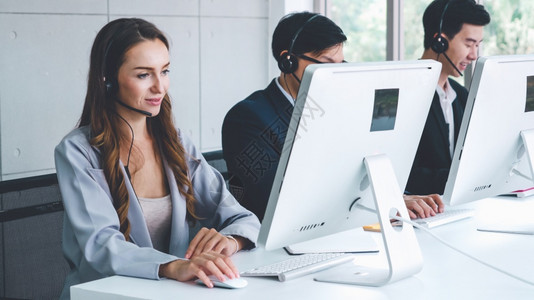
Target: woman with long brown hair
(134, 188)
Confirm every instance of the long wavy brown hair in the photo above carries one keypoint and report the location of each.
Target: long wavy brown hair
(99, 112)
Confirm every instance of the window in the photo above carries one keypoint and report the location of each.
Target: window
(413, 28)
(511, 30)
(364, 23)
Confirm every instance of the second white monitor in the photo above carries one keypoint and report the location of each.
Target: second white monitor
(497, 132)
(344, 113)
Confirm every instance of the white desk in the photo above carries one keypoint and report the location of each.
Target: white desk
(446, 274)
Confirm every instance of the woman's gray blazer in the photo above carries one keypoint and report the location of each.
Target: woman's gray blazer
(92, 243)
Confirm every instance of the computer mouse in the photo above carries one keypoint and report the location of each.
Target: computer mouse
(235, 283)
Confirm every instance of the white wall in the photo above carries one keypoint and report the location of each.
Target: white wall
(219, 53)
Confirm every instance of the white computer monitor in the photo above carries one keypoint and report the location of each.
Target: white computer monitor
(495, 150)
(348, 152)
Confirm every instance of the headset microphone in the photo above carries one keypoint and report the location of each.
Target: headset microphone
(449, 60)
(144, 112)
(110, 90)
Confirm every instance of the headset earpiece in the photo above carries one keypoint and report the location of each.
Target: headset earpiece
(439, 44)
(109, 86)
(288, 63)
(108, 80)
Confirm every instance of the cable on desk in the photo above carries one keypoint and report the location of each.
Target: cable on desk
(460, 251)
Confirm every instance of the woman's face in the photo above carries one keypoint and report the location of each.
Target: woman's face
(143, 77)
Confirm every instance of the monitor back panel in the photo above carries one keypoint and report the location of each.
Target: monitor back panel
(489, 144)
(337, 121)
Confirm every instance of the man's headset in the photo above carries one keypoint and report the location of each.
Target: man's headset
(288, 62)
(439, 42)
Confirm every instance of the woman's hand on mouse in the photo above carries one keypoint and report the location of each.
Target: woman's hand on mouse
(200, 266)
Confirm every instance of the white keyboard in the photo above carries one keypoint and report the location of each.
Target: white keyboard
(300, 265)
(448, 216)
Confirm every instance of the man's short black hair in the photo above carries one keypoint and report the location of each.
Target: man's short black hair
(316, 36)
(457, 14)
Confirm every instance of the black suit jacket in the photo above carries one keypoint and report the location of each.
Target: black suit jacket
(253, 135)
(432, 162)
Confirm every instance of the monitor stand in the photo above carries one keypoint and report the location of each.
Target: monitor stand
(528, 141)
(522, 226)
(401, 248)
(527, 138)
